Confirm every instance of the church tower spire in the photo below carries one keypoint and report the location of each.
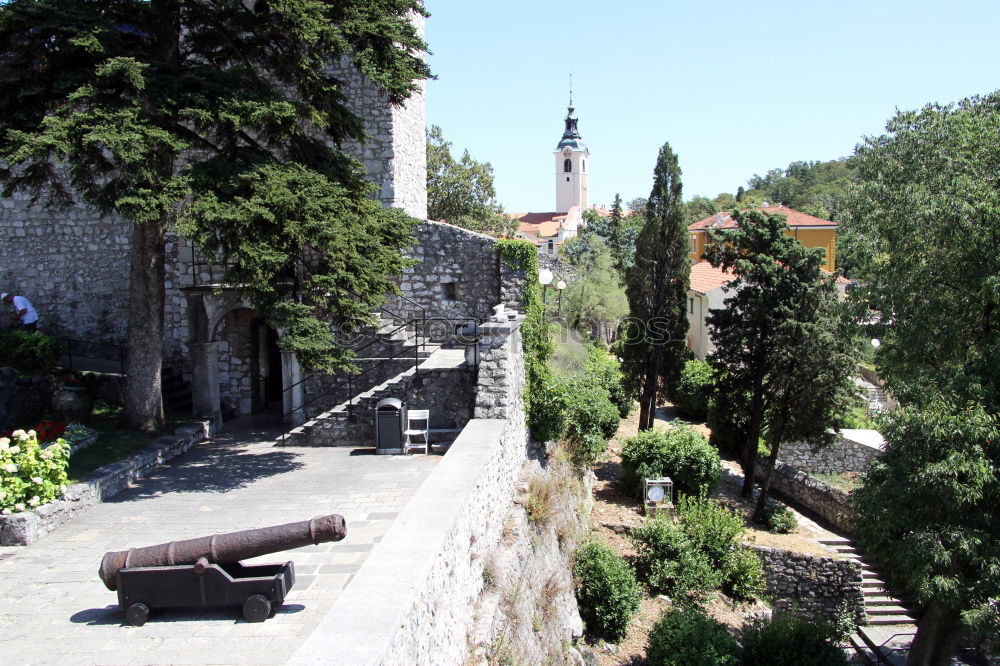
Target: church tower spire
(571, 163)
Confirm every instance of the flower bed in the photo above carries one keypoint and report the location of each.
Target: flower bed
(30, 474)
(25, 525)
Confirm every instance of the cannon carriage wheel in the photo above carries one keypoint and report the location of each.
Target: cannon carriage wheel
(256, 608)
(137, 614)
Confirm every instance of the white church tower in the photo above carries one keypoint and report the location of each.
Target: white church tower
(571, 166)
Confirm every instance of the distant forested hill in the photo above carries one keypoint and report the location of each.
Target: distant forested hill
(816, 188)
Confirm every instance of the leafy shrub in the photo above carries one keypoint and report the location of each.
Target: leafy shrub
(716, 531)
(744, 575)
(30, 475)
(29, 351)
(789, 639)
(693, 389)
(605, 370)
(669, 562)
(687, 636)
(681, 453)
(779, 518)
(606, 591)
(548, 410)
(591, 418)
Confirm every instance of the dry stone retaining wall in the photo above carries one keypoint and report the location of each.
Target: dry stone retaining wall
(844, 455)
(830, 502)
(811, 585)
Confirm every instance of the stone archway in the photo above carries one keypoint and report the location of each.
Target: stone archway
(234, 357)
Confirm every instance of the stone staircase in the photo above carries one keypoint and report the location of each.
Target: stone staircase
(874, 395)
(881, 607)
(890, 620)
(352, 421)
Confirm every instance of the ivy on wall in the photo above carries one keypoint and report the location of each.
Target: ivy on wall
(523, 256)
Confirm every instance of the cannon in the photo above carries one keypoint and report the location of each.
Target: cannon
(207, 571)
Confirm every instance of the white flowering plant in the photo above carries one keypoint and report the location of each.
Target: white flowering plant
(30, 475)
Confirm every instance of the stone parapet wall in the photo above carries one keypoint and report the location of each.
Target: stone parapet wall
(830, 502)
(811, 585)
(844, 455)
(20, 529)
(445, 392)
(455, 277)
(528, 613)
(411, 601)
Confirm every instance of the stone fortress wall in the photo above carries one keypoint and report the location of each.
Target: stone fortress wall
(73, 264)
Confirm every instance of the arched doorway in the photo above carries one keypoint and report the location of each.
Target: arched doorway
(249, 363)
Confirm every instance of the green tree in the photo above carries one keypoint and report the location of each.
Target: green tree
(654, 344)
(222, 118)
(930, 506)
(596, 299)
(780, 340)
(461, 192)
(925, 226)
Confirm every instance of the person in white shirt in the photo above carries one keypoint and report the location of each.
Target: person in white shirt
(25, 317)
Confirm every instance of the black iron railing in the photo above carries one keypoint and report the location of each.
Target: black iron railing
(82, 355)
(345, 390)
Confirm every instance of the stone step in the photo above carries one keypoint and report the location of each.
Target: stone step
(881, 620)
(890, 643)
(894, 609)
(881, 600)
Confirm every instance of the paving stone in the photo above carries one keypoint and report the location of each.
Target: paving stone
(56, 610)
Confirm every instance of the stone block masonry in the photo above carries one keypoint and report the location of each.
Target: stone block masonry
(853, 451)
(813, 586)
(829, 502)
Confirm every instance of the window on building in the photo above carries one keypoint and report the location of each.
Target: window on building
(694, 245)
(690, 306)
(567, 165)
(552, 247)
(449, 291)
(583, 166)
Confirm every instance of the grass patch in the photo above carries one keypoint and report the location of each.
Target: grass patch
(846, 481)
(113, 442)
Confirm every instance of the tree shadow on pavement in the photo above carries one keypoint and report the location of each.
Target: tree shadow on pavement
(212, 467)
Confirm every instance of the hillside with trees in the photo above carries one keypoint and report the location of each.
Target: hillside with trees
(816, 188)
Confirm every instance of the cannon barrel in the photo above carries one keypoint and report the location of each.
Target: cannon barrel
(223, 548)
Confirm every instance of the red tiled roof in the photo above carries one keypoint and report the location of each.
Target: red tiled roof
(705, 277)
(547, 229)
(527, 229)
(796, 219)
(536, 218)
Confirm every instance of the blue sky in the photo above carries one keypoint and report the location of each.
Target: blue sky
(737, 88)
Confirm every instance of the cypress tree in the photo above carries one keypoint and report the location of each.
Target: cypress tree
(654, 346)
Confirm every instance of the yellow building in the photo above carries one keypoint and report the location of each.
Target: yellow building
(811, 232)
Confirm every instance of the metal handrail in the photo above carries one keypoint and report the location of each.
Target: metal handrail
(121, 349)
(418, 346)
(879, 649)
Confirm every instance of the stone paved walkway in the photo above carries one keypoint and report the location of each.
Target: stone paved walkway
(55, 610)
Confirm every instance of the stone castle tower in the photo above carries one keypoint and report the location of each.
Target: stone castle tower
(571, 156)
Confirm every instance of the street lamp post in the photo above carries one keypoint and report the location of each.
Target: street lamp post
(545, 279)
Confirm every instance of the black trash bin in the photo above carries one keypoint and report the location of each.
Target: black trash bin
(390, 422)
